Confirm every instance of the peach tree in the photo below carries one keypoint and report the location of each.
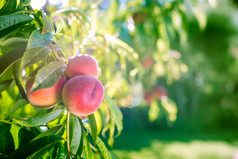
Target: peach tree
(62, 74)
(52, 103)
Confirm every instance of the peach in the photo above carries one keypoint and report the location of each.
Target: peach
(83, 95)
(147, 62)
(47, 97)
(148, 97)
(160, 91)
(82, 65)
(139, 17)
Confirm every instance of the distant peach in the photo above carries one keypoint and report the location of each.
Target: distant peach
(147, 62)
(82, 65)
(148, 97)
(83, 95)
(160, 91)
(139, 17)
(47, 97)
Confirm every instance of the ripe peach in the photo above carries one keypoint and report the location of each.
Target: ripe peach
(139, 17)
(83, 95)
(160, 91)
(82, 65)
(148, 97)
(147, 62)
(47, 97)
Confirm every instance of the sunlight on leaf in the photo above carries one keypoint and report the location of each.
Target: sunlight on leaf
(48, 76)
(39, 120)
(154, 111)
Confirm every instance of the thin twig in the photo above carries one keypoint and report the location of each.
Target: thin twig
(17, 80)
(96, 150)
(68, 144)
(55, 53)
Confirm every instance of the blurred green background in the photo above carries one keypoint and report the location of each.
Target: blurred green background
(206, 96)
(187, 47)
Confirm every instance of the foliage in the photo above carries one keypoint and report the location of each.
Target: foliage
(32, 45)
(134, 43)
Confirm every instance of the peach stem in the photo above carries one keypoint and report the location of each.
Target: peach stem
(55, 53)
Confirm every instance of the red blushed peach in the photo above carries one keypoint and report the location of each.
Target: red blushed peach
(82, 65)
(147, 62)
(160, 91)
(47, 97)
(148, 97)
(83, 95)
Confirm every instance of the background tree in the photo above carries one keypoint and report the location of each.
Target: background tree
(159, 64)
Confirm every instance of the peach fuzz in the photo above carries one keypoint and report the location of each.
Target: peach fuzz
(83, 95)
(82, 65)
(47, 97)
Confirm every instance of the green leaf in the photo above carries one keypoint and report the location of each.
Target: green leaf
(8, 74)
(47, 25)
(48, 75)
(20, 11)
(2, 3)
(14, 42)
(11, 22)
(25, 2)
(113, 155)
(62, 150)
(75, 134)
(34, 55)
(201, 17)
(39, 120)
(7, 59)
(9, 6)
(98, 120)
(80, 149)
(111, 135)
(170, 107)
(17, 75)
(5, 84)
(93, 126)
(153, 111)
(41, 152)
(37, 39)
(25, 136)
(40, 65)
(129, 52)
(87, 149)
(111, 129)
(14, 28)
(14, 131)
(106, 154)
(75, 11)
(60, 25)
(116, 113)
(57, 130)
(35, 146)
(65, 43)
(19, 104)
(6, 139)
(2, 156)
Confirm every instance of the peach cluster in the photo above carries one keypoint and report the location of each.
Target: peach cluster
(154, 94)
(82, 94)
